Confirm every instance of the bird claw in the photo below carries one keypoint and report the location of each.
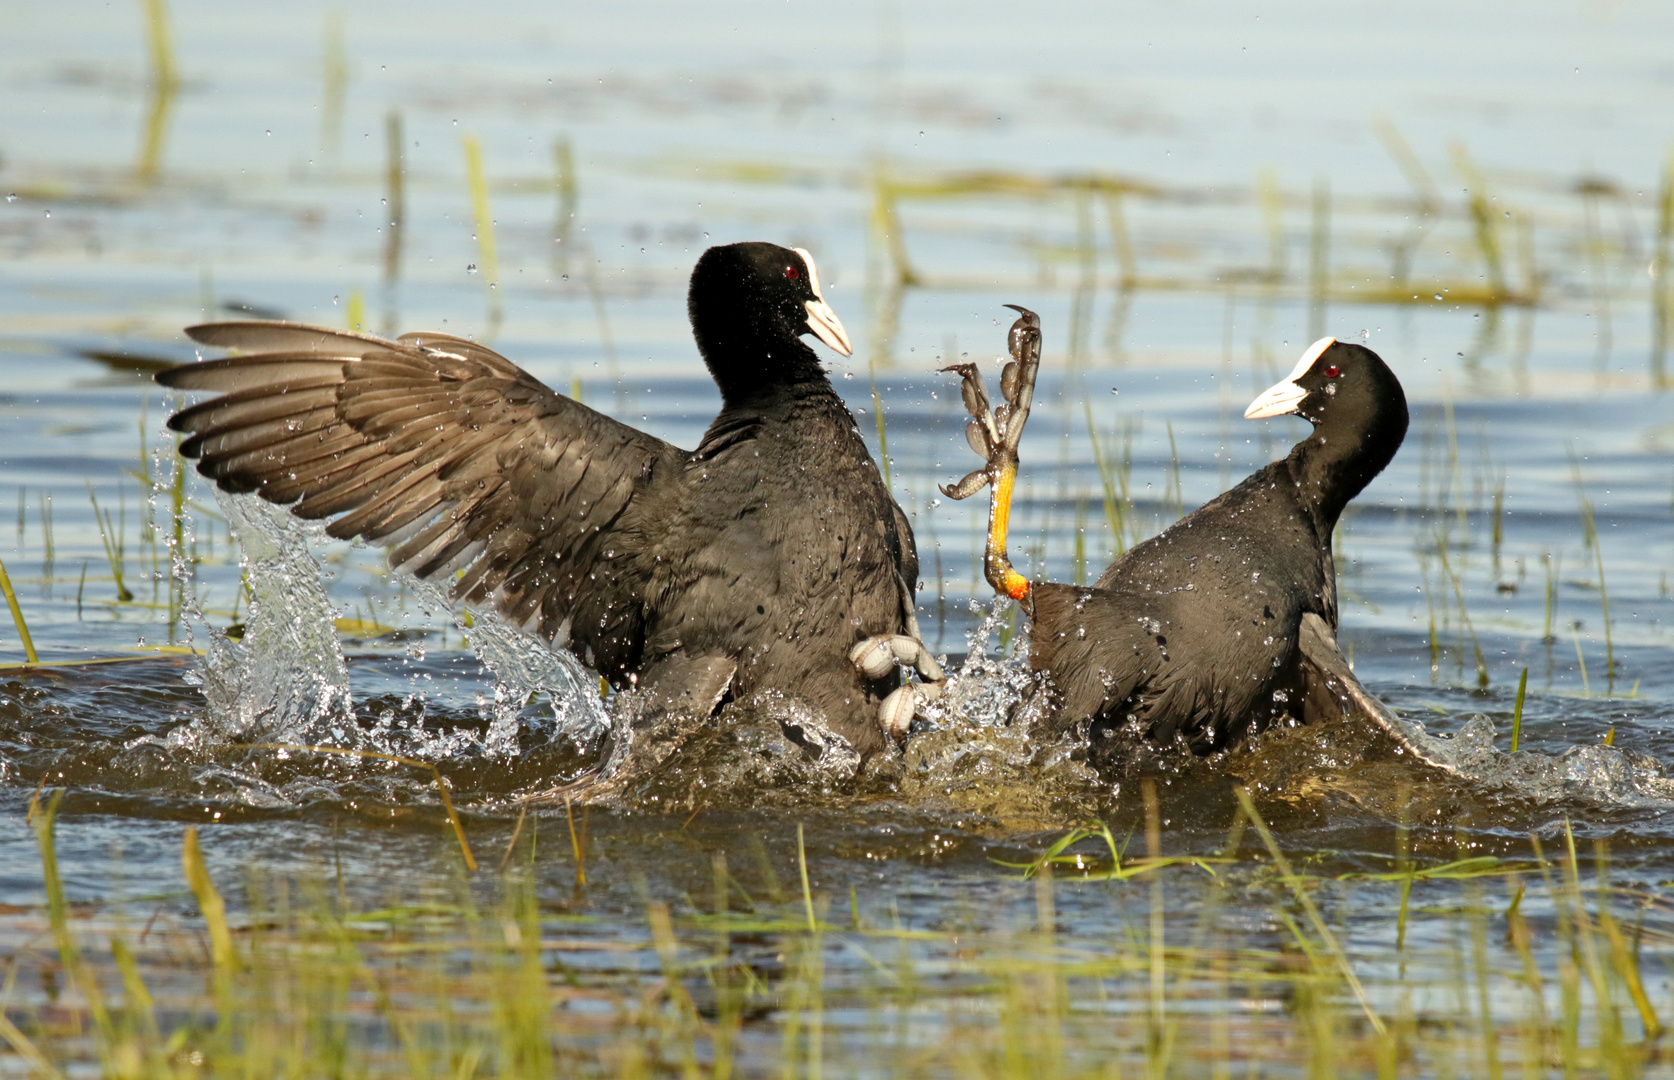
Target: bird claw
(994, 433)
(973, 482)
(875, 656)
(896, 712)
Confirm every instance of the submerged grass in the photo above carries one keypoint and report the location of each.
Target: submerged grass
(898, 193)
(1250, 969)
(883, 433)
(1464, 614)
(165, 84)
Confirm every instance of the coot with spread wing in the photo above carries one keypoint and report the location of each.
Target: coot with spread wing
(772, 556)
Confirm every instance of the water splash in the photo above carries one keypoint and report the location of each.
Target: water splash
(285, 680)
(523, 665)
(986, 691)
(978, 748)
(1602, 775)
(982, 749)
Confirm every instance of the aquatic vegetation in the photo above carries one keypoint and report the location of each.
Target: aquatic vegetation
(111, 535)
(1230, 958)
(488, 254)
(18, 620)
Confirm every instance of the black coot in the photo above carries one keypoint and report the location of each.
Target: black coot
(1204, 631)
(762, 559)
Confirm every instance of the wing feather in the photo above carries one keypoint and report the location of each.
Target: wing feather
(225, 439)
(262, 335)
(446, 453)
(251, 406)
(233, 374)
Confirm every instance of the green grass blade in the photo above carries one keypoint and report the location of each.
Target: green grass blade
(17, 615)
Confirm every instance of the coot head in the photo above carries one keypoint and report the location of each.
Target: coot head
(1358, 410)
(749, 305)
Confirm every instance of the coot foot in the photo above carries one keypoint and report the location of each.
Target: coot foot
(995, 434)
(876, 655)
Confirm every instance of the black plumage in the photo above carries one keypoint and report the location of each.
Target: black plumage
(1196, 633)
(756, 561)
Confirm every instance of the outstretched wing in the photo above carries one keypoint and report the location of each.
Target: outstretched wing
(442, 451)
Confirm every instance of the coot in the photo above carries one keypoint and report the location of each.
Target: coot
(772, 556)
(1227, 619)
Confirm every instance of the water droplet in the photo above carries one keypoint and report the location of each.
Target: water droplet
(11, 196)
(471, 268)
(1438, 296)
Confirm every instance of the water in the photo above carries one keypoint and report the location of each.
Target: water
(1186, 211)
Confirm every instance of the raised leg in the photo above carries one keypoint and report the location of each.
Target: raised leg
(995, 434)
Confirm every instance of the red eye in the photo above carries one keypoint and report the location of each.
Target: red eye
(790, 272)
(1332, 372)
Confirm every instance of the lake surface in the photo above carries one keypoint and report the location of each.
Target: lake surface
(1188, 196)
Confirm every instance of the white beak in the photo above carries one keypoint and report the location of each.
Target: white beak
(821, 319)
(1284, 396)
(823, 322)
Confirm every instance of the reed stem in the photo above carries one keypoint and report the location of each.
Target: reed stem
(477, 179)
(1517, 711)
(17, 615)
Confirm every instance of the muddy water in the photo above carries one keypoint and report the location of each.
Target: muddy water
(1185, 210)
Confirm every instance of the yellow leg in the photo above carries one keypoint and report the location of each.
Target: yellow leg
(996, 562)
